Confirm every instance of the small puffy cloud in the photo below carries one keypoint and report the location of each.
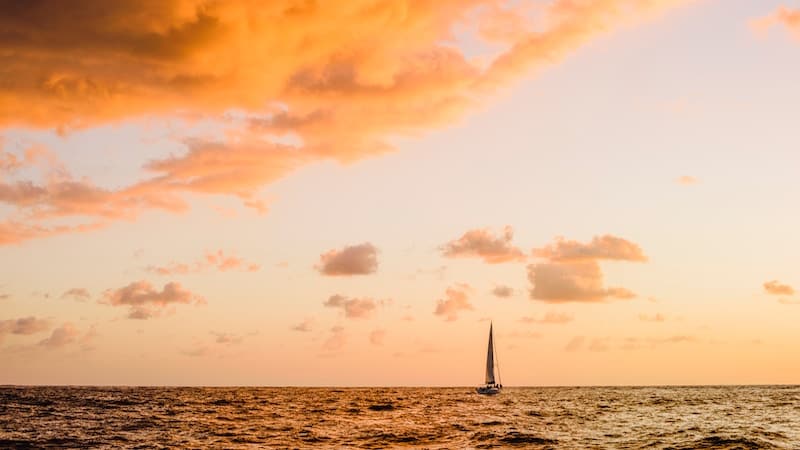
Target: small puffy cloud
(571, 282)
(658, 317)
(359, 259)
(23, 326)
(146, 301)
(79, 294)
(223, 262)
(336, 340)
(304, 326)
(686, 180)
(456, 299)
(376, 337)
(61, 336)
(775, 287)
(216, 260)
(483, 244)
(550, 318)
(501, 291)
(575, 344)
(227, 338)
(601, 247)
(197, 352)
(788, 18)
(354, 308)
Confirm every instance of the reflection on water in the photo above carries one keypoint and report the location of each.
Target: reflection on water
(642, 418)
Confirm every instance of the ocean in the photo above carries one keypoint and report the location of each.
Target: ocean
(707, 417)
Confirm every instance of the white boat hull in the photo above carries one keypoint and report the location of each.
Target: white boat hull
(488, 390)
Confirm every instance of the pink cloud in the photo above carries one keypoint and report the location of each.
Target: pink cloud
(146, 302)
(61, 336)
(359, 259)
(571, 282)
(23, 326)
(501, 291)
(482, 244)
(456, 300)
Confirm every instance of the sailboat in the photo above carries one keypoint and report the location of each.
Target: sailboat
(492, 385)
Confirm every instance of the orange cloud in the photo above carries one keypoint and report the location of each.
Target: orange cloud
(288, 68)
(687, 180)
(359, 259)
(481, 243)
(79, 294)
(354, 308)
(787, 17)
(601, 247)
(456, 299)
(774, 287)
(145, 301)
(217, 260)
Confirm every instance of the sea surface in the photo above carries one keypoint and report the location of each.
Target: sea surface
(729, 417)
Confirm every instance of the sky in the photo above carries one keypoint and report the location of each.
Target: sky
(315, 193)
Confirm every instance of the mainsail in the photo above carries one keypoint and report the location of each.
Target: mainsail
(490, 360)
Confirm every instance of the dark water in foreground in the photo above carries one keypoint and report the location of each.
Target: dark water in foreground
(574, 418)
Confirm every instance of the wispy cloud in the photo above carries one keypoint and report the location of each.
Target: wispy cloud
(550, 317)
(775, 287)
(216, 260)
(686, 180)
(788, 18)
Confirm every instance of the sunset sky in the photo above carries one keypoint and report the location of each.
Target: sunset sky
(196, 192)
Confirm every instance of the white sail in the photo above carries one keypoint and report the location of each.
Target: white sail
(490, 360)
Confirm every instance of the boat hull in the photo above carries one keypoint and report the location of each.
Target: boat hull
(487, 390)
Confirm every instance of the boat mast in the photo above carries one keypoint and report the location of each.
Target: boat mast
(497, 363)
